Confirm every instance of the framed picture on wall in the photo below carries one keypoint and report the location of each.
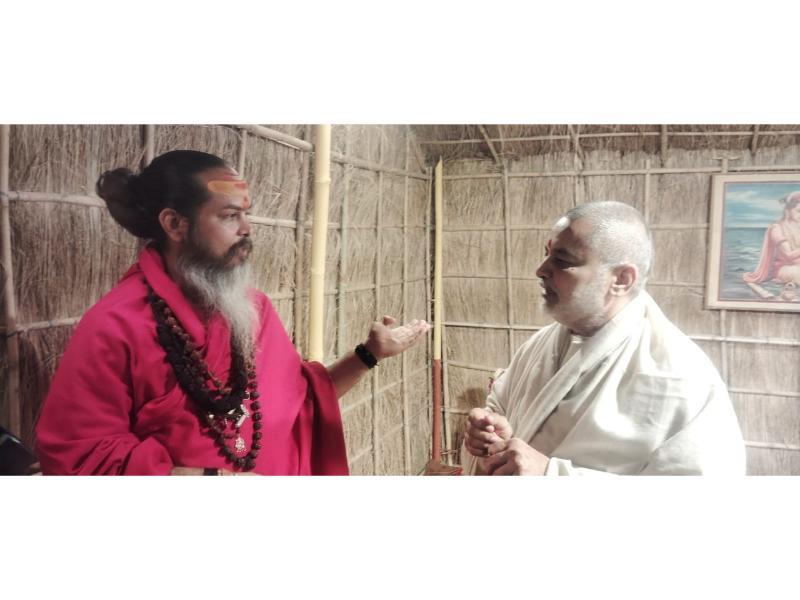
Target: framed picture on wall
(754, 254)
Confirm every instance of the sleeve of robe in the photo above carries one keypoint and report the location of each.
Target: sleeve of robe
(85, 425)
(709, 444)
(323, 426)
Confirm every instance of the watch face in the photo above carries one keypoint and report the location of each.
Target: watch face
(15, 458)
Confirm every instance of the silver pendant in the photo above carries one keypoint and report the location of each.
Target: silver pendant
(239, 445)
(243, 416)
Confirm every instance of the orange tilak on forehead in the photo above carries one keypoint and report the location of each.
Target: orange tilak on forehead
(230, 187)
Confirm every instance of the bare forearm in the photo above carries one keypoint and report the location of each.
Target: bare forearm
(382, 342)
(346, 373)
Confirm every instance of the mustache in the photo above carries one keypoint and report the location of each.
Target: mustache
(245, 243)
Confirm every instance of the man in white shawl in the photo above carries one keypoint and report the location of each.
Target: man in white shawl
(613, 387)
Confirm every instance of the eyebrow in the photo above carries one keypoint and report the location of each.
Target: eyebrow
(561, 253)
(233, 207)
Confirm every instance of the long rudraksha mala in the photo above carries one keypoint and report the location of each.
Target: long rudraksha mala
(223, 406)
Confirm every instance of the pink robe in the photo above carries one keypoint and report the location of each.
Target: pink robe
(115, 406)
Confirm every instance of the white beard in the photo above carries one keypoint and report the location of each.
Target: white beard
(585, 310)
(214, 288)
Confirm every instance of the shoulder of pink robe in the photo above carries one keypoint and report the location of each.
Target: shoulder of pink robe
(85, 423)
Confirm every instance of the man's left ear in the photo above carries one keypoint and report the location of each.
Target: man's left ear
(625, 277)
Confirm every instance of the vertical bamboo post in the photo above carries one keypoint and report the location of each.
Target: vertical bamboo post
(91, 166)
(343, 240)
(149, 143)
(428, 293)
(300, 244)
(723, 317)
(9, 304)
(322, 185)
(404, 319)
(646, 208)
(437, 317)
(242, 151)
(446, 433)
(509, 283)
(754, 142)
(376, 433)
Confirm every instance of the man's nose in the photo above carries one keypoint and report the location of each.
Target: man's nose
(544, 269)
(244, 227)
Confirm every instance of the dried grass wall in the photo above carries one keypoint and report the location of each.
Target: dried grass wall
(67, 254)
(496, 223)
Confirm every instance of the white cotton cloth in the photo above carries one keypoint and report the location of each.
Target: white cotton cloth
(637, 397)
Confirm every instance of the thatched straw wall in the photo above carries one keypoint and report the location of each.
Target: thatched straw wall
(492, 303)
(66, 255)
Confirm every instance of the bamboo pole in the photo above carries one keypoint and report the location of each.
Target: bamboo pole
(10, 302)
(377, 167)
(277, 136)
(52, 323)
(94, 151)
(419, 156)
(79, 199)
(437, 317)
(576, 142)
(485, 135)
(754, 141)
(376, 433)
(658, 171)
(664, 144)
(492, 326)
(322, 183)
(647, 177)
(343, 241)
(610, 134)
(405, 316)
(772, 445)
(723, 316)
(428, 293)
(149, 144)
(757, 392)
(509, 284)
(300, 244)
(242, 152)
(446, 432)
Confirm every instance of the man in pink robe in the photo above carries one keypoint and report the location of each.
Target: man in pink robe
(115, 405)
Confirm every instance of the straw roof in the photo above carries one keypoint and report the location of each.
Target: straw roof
(453, 142)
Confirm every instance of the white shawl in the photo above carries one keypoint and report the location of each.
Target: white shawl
(638, 397)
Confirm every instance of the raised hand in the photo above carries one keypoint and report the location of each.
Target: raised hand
(385, 340)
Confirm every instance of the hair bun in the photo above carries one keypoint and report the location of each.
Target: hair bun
(118, 189)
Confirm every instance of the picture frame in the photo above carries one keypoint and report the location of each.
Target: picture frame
(754, 249)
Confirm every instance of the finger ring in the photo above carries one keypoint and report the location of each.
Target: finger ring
(486, 451)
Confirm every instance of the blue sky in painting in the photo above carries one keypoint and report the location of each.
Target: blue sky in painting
(755, 204)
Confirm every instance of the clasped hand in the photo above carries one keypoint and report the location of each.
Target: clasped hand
(489, 436)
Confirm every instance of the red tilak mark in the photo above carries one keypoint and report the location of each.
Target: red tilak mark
(231, 187)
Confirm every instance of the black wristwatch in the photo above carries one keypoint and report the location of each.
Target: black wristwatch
(366, 356)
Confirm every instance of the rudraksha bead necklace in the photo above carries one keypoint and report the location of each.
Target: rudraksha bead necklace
(223, 406)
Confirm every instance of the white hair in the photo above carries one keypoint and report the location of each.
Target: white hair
(619, 235)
